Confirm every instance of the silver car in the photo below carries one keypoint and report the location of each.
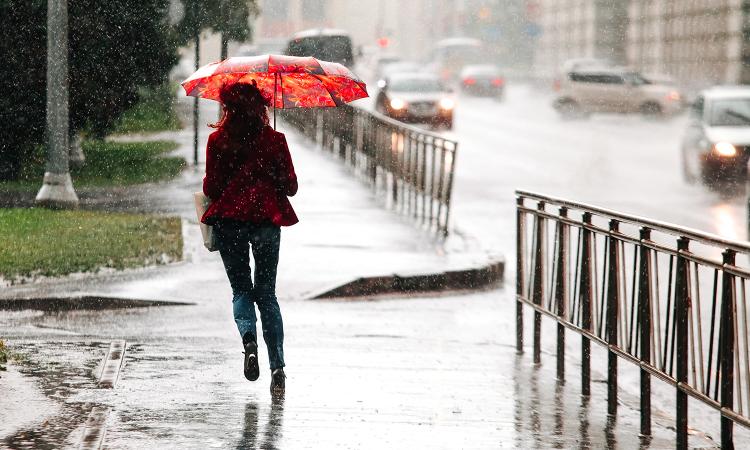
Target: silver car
(717, 140)
(612, 90)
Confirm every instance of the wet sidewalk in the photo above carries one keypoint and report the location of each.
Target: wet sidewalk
(438, 373)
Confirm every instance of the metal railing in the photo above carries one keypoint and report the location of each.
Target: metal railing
(668, 299)
(411, 168)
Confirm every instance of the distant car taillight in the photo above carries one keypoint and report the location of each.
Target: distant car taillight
(498, 82)
(556, 85)
(470, 81)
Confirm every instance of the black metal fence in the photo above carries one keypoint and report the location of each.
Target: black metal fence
(412, 168)
(666, 298)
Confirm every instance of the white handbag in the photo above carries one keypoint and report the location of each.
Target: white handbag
(201, 205)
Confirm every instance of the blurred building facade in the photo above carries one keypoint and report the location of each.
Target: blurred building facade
(409, 29)
(406, 28)
(572, 29)
(696, 42)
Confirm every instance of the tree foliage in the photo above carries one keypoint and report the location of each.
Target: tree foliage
(114, 48)
(229, 17)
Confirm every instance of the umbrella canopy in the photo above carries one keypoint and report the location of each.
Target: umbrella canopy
(286, 81)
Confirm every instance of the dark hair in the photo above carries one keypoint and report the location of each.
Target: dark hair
(245, 113)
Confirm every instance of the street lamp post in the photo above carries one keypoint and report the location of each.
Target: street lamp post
(196, 112)
(57, 188)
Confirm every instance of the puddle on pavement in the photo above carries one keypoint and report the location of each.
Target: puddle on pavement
(60, 370)
(86, 302)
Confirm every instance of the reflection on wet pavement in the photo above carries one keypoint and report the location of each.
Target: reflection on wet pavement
(451, 380)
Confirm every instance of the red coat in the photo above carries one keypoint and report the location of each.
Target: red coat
(250, 182)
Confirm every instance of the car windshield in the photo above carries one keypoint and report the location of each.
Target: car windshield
(733, 112)
(416, 84)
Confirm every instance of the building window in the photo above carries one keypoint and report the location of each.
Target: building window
(314, 10)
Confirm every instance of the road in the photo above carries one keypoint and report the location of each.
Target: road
(626, 163)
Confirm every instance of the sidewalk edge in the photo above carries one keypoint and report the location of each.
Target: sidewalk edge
(475, 278)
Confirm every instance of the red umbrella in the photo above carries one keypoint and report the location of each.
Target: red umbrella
(286, 81)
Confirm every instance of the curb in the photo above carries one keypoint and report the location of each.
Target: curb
(473, 279)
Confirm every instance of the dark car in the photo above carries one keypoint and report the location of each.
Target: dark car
(484, 80)
(716, 144)
(417, 98)
(323, 43)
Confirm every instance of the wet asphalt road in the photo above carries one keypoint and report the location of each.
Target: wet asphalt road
(622, 162)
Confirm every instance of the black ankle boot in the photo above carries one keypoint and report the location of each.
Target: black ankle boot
(252, 372)
(278, 383)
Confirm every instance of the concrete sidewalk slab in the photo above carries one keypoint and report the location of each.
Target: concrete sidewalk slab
(435, 373)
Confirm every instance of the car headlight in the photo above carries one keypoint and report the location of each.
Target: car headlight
(398, 104)
(725, 149)
(447, 103)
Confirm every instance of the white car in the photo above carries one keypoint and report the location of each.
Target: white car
(716, 143)
(611, 90)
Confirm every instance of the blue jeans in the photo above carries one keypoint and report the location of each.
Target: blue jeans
(234, 241)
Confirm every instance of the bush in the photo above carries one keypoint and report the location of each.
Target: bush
(155, 111)
(115, 48)
(110, 164)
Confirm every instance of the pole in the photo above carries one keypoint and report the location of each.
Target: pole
(275, 80)
(57, 187)
(520, 268)
(196, 115)
(681, 317)
(224, 42)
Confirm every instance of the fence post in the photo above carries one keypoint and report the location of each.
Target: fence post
(613, 302)
(537, 295)
(644, 313)
(586, 299)
(561, 288)
(726, 352)
(520, 270)
(681, 314)
(449, 189)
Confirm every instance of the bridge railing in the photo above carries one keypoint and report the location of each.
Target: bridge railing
(411, 168)
(671, 300)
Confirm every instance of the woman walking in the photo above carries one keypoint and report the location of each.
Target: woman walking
(249, 175)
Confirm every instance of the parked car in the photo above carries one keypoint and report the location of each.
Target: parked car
(484, 80)
(417, 97)
(613, 90)
(716, 144)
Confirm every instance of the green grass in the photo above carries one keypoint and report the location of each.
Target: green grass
(54, 243)
(109, 164)
(3, 355)
(155, 111)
